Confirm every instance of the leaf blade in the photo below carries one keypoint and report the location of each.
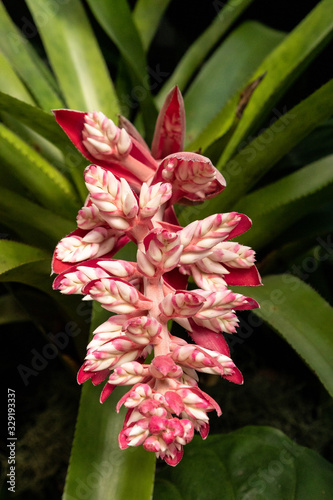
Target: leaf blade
(202, 46)
(46, 183)
(147, 15)
(244, 170)
(302, 317)
(282, 67)
(74, 55)
(31, 221)
(26, 63)
(238, 57)
(116, 20)
(282, 470)
(118, 474)
(277, 206)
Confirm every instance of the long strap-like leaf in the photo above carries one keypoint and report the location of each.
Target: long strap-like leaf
(302, 317)
(98, 469)
(26, 62)
(227, 14)
(117, 21)
(74, 55)
(256, 159)
(282, 67)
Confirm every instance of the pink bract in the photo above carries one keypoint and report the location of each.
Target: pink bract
(131, 192)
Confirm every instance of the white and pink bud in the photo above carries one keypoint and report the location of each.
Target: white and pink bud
(168, 437)
(118, 268)
(143, 329)
(181, 304)
(78, 246)
(153, 197)
(134, 397)
(103, 139)
(74, 281)
(207, 281)
(115, 199)
(89, 217)
(233, 254)
(112, 354)
(162, 253)
(203, 360)
(135, 432)
(199, 237)
(117, 296)
(217, 313)
(129, 373)
(192, 176)
(109, 330)
(223, 300)
(78, 276)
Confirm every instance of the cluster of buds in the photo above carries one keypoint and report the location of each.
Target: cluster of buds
(131, 192)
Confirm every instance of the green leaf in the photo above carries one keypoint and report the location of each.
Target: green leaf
(201, 47)
(42, 123)
(282, 67)
(44, 181)
(302, 317)
(27, 64)
(224, 466)
(117, 21)
(14, 254)
(10, 310)
(23, 263)
(227, 71)
(10, 82)
(314, 147)
(33, 223)
(256, 159)
(74, 55)
(146, 16)
(98, 469)
(277, 206)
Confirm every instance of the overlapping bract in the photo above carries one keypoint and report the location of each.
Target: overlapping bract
(131, 192)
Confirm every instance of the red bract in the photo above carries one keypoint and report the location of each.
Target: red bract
(131, 192)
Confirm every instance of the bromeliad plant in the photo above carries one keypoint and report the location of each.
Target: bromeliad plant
(187, 263)
(132, 193)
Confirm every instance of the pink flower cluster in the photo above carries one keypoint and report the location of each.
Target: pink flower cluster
(132, 191)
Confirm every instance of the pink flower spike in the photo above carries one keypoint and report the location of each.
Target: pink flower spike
(203, 360)
(131, 197)
(170, 126)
